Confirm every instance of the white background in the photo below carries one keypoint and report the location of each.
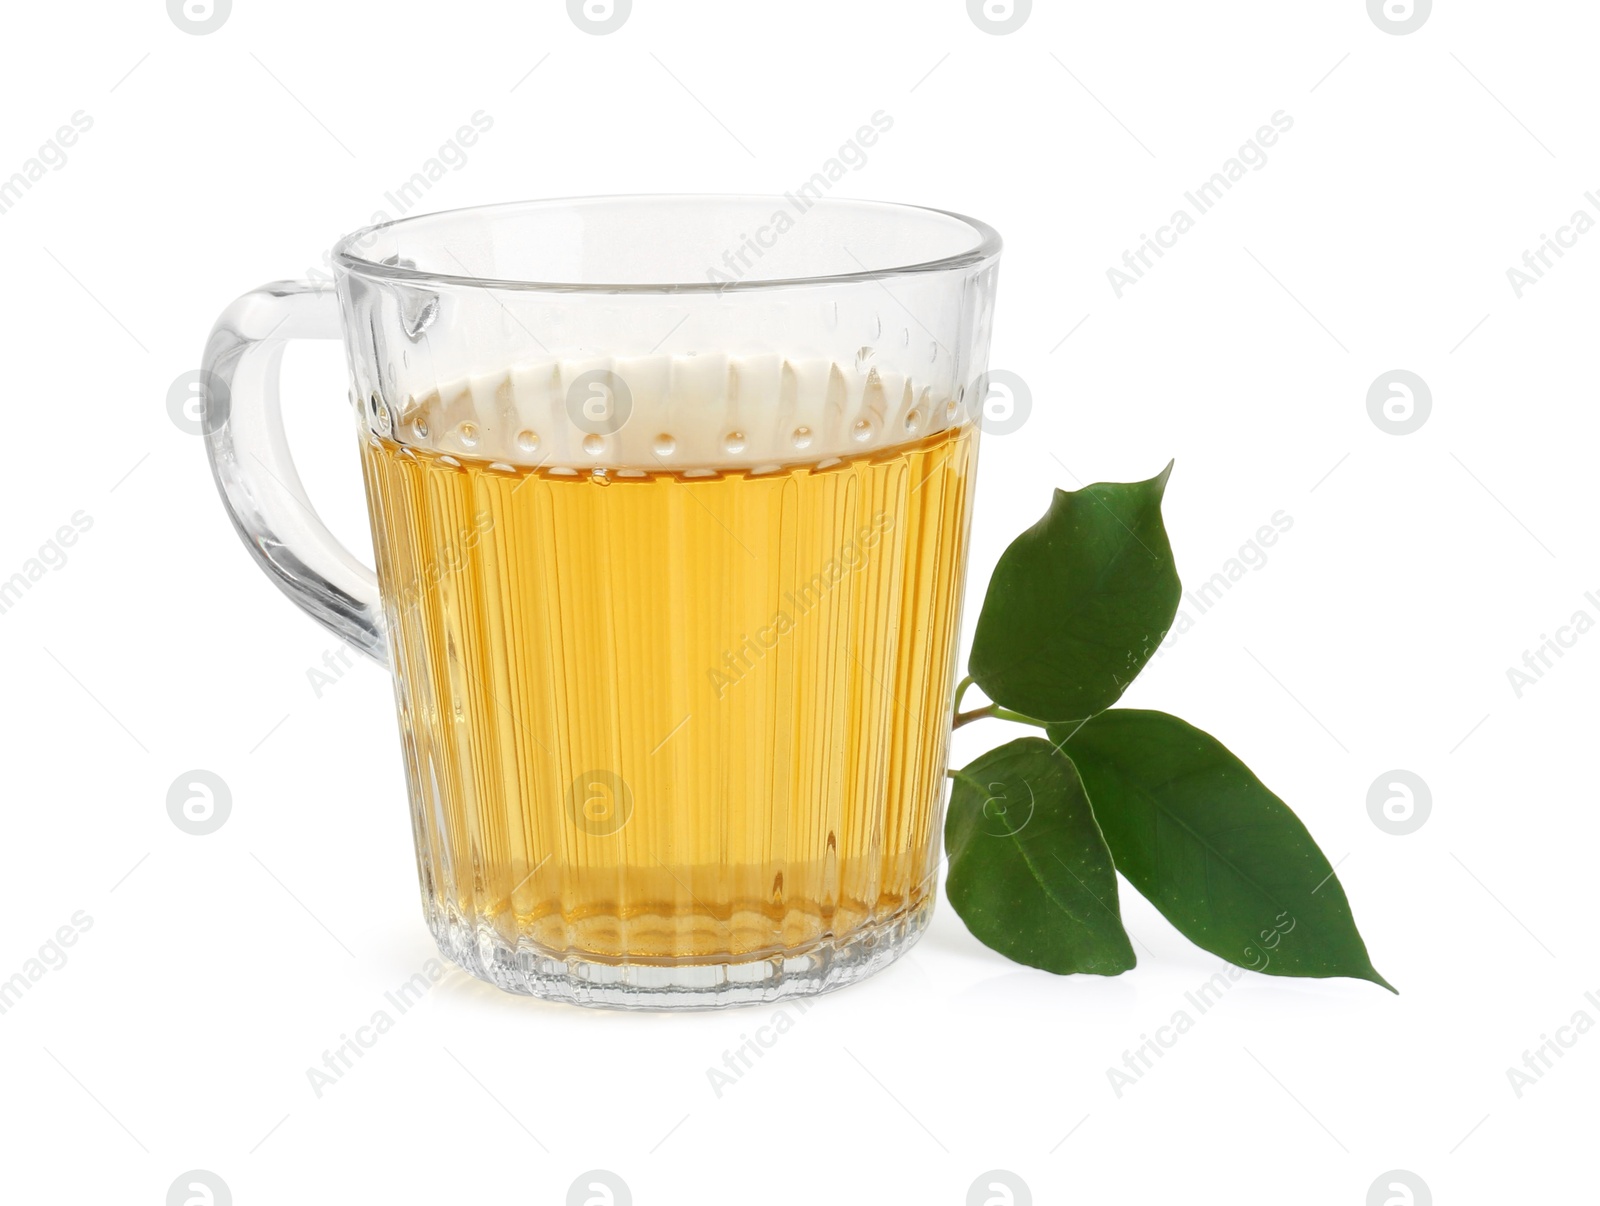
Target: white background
(1418, 569)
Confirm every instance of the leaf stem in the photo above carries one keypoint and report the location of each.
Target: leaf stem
(960, 776)
(961, 689)
(996, 712)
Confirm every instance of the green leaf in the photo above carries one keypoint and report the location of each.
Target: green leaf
(1223, 858)
(1029, 872)
(1078, 603)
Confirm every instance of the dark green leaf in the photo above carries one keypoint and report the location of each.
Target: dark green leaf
(1078, 603)
(1029, 871)
(1221, 856)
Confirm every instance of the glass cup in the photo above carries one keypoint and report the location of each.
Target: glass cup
(669, 499)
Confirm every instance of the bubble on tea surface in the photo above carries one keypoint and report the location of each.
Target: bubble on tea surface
(822, 408)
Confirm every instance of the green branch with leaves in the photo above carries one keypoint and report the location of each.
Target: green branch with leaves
(1038, 829)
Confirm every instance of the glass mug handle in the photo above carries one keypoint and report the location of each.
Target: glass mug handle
(243, 427)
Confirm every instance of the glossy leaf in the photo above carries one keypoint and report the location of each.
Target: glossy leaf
(1224, 859)
(1029, 872)
(1078, 603)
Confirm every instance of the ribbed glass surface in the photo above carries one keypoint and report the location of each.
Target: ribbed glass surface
(660, 720)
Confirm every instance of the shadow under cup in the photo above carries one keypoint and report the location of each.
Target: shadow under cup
(670, 500)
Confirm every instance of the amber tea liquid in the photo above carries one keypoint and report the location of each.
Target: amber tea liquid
(653, 714)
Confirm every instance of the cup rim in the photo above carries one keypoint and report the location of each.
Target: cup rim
(345, 255)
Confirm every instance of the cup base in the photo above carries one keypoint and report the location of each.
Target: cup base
(810, 971)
